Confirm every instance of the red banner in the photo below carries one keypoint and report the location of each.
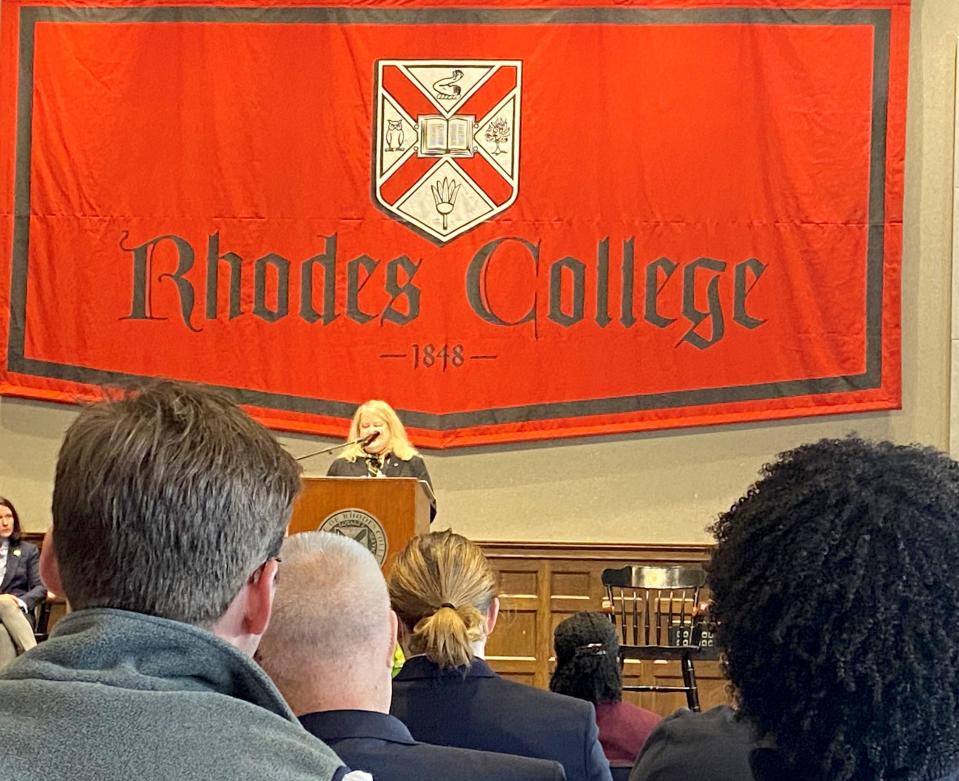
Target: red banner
(511, 221)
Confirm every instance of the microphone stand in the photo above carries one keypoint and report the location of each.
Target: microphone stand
(331, 448)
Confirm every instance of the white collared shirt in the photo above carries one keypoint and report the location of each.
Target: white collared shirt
(4, 554)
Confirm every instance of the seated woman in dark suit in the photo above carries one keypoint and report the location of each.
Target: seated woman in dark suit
(587, 667)
(20, 586)
(444, 592)
(385, 450)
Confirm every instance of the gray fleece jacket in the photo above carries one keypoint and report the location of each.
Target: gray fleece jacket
(120, 695)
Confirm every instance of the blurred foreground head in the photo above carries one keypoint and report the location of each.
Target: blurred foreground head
(166, 502)
(836, 602)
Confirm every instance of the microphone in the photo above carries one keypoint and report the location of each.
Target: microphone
(363, 441)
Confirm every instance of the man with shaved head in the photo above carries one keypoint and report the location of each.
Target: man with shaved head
(329, 650)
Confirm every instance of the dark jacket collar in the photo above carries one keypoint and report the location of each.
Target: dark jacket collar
(345, 724)
(419, 667)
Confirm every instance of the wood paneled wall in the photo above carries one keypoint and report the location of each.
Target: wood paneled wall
(543, 583)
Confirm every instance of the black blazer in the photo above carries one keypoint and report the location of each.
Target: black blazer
(393, 467)
(478, 709)
(687, 745)
(22, 578)
(382, 746)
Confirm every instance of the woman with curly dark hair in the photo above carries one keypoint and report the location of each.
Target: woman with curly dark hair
(835, 599)
(587, 667)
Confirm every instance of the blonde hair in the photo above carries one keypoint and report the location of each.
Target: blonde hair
(441, 587)
(399, 442)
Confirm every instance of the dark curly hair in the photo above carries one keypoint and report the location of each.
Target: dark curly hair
(835, 599)
(587, 659)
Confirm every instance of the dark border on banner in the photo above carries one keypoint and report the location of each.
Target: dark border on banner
(871, 378)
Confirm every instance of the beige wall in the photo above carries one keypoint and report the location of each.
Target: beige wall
(659, 487)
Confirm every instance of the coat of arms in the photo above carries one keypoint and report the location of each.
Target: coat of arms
(446, 142)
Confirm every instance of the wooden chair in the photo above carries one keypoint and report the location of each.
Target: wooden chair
(41, 616)
(654, 609)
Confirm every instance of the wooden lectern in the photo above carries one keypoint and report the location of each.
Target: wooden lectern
(383, 513)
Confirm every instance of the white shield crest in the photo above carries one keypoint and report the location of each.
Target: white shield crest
(446, 142)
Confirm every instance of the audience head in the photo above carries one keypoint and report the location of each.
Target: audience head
(170, 501)
(587, 659)
(835, 601)
(444, 591)
(331, 638)
(9, 522)
(375, 416)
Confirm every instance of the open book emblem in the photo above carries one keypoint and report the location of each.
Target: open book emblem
(446, 142)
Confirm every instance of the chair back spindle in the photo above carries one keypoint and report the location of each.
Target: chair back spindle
(654, 609)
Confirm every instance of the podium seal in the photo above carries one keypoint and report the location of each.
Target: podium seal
(360, 526)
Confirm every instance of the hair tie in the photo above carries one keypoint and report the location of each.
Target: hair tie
(447, 604)
(592, 649)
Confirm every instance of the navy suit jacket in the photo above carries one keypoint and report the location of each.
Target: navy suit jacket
(477, 709)
(382, 746)
(22, 578)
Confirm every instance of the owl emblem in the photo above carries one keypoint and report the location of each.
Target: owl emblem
(394, 135)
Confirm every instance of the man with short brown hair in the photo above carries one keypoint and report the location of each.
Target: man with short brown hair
(169, 508)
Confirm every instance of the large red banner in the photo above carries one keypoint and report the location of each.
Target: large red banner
(511, 221)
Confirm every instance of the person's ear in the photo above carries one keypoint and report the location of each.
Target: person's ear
(49, 568)
(391, 647)
(259, 599)
(492, 613)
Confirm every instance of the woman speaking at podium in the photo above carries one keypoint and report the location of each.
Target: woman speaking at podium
(378, 447)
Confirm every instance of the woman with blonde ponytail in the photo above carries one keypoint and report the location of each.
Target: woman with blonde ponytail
(443, 590)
